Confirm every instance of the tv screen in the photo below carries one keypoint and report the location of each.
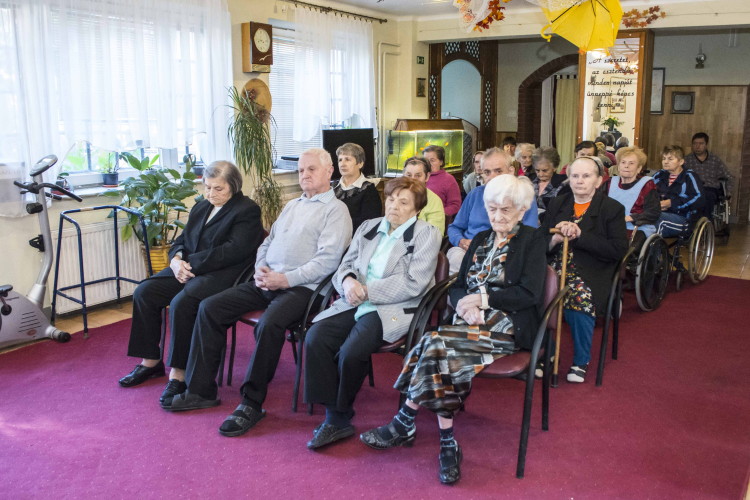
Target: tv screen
(332, 139)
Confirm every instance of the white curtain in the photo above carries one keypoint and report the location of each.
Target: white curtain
(333, 57)
(118, 74)
(548, 112)
(566, 125)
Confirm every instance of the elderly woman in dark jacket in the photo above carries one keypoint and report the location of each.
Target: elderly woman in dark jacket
(547, 183)
(498, 299)
(222, 235)
(595, 227)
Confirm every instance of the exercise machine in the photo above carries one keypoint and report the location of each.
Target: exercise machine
(21, 317)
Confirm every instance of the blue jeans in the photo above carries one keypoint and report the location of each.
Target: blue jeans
(671, 225)
(582, 328)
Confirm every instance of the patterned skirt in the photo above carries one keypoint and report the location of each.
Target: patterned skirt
(438, 371)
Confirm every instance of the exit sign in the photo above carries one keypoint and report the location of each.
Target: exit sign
(420, 60)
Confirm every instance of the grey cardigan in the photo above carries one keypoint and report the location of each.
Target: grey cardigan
(409, 273)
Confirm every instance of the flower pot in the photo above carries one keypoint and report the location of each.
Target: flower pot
(110, 180)
(159, 257)
(198, 171)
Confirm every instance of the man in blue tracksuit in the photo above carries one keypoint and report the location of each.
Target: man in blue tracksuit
(473, 218)
(681, 193)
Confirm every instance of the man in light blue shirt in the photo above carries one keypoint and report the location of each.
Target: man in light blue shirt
(473, 218)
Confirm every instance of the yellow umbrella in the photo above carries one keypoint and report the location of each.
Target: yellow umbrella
(589, 24)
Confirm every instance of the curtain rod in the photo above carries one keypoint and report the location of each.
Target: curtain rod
(327, 10)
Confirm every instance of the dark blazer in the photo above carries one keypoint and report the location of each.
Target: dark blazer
(601, 246)
(220, 250)
(554, 189)
(522, 293)
(363, 203)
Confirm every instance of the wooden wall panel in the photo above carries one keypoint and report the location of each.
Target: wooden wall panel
(719, 112)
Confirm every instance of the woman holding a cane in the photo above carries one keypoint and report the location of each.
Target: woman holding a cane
(595, 227)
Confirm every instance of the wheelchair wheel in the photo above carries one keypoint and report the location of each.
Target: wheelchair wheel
(678, 281)
(701, 251)
(652, 273)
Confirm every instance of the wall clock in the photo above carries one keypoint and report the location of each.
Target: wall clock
(257, 48)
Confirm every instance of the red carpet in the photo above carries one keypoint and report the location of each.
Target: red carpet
(672, 421)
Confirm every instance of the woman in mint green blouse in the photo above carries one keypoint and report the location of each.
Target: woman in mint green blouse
(389, 266)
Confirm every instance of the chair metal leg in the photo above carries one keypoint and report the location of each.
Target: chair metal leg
(298, 375)
(616, 322)
(525, 423)
(231, 355)
(371, 375)
(294, 349)
(221, 366)
(309, 409)
(545, 382)
(603, 350)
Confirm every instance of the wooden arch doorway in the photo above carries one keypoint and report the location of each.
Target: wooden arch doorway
(483, 55)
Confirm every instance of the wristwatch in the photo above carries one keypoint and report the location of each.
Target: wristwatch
(485, 302)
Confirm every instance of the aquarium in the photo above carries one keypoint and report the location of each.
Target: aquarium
(407, 143)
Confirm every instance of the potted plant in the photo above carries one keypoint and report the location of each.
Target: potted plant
(611, 122)
(155, 196)
(191, 166)
(107, 163)
(250, 134)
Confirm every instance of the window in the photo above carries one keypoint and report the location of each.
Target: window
(12, 137)
(281, 85)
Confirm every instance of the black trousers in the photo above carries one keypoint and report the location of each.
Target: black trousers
(149, 298)
(337, 357)
(284, 310)
(712, 195)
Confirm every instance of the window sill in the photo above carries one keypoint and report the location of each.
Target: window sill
(91, 191)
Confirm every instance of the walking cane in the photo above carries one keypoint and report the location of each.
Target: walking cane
(560, 310)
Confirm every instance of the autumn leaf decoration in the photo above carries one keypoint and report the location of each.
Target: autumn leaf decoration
(642, 18)
(496, 14)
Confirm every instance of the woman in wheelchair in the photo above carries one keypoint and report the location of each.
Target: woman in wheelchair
(498, 301)
(595, 226)
(637, 193)
(680, 191)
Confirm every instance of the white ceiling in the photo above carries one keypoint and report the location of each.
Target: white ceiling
(424, 8)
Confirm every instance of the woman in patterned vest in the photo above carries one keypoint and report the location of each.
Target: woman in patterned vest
(498, 301)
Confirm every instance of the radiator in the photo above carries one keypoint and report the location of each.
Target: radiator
(98, 262)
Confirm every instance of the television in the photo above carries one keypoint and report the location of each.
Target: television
(334, 138)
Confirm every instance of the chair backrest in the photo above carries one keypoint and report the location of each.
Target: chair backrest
(265, 233)
(441, 274)
(551, 287)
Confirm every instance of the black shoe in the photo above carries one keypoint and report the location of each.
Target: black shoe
(351, 416)
(187, 402)
(450, 465)
(242, 420)
(174, 387)
(539, 372)
(327, 434)
(577, 374)
(372, 438)
(142, 373)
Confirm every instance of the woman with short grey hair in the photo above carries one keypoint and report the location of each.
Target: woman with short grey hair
(547, 182)
(220, 239)
(498, 302)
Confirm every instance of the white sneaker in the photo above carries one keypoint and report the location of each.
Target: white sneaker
(577, 374)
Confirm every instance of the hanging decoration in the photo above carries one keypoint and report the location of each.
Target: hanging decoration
(477, 15)
(588, 24)
(641, 18)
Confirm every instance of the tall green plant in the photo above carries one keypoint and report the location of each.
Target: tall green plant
(250, 134)
(154, 196)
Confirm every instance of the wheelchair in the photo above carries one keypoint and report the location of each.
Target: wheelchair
(721, 213)
(659, 258)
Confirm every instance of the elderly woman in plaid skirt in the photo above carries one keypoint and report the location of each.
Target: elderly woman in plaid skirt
(498, 302)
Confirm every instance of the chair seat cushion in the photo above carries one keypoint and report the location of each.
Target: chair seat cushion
(390, 347)
(508, 366)
(252, 317)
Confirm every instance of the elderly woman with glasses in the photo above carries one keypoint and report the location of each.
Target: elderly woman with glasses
(498, 298)
(390, 264)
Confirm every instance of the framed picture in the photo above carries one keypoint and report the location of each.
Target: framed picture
(421, 87)
(617, 104)
(683, 103)
(657, 91)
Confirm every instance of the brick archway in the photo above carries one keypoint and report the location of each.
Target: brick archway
(530, 98)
